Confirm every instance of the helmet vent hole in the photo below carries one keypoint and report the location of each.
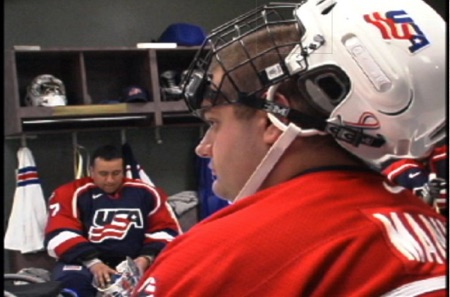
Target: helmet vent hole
(332, 87)
(324, 87)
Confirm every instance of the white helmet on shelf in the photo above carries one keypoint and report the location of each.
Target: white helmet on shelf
(46, 90)
(376, 68)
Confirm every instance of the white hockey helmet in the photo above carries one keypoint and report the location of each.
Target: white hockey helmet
(378, 68)
(46, 90)
(394, 53)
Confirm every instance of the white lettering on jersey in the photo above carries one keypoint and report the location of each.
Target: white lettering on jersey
(417, 237)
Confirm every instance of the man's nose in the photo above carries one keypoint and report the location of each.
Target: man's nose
(203, 149)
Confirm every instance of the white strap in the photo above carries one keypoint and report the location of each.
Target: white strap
(269, 161)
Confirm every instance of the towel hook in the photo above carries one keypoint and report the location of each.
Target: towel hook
(75, 153)
(74, 140)
(123, 137)
(23, 140)
(158, 138)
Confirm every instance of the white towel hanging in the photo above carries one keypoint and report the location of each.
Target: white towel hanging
(26, 224)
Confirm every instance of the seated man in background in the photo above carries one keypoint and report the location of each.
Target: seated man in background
(96, 222)
(426, 178)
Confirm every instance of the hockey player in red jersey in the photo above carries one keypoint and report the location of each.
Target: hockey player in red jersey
(304, 102)
(96, 222)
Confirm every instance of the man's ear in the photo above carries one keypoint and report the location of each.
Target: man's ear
(272, 132)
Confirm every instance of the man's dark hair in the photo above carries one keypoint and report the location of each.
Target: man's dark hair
(106, 152)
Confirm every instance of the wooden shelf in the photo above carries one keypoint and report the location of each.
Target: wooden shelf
(92, 76)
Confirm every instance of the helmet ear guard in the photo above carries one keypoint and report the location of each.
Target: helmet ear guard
(324, 87)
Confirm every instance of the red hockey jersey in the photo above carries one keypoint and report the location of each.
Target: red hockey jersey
(327, 232)
(84, 220)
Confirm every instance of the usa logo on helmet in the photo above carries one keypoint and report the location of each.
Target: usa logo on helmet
(397, 24)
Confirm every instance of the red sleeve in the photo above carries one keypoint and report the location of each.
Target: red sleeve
(163, 225)
(63, 233)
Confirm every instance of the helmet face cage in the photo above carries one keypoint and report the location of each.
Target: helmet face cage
(376, 69)
(46, 90)
(329, 85)
(197, 83)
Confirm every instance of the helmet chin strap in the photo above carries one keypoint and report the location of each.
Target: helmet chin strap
(290, 133)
